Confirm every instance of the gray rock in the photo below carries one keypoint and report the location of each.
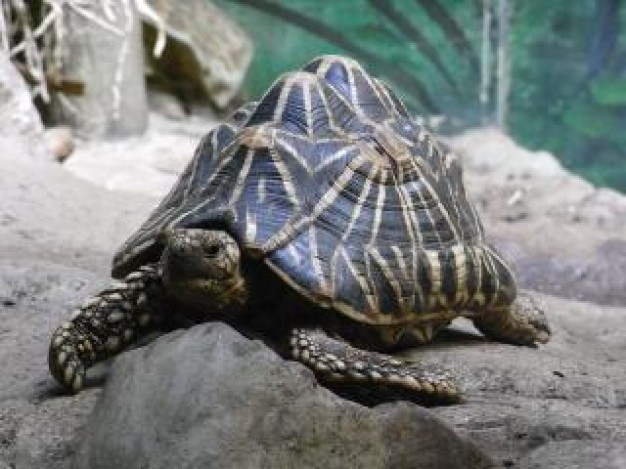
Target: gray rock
(562, 235)
(21, 132)
(38, 427)
(599, 276)
(206, 55)
(209, 397)
(519, 399)
(109, 61)
(47, 436)
(54, 251)
(49, 214)
(577, 455)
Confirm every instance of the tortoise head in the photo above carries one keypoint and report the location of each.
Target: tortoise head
(202, 270)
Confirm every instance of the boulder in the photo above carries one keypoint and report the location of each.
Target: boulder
(209, 397)
(562, 235)
(206, 54)
(21, 131)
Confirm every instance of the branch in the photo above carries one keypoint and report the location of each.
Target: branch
(148, 12)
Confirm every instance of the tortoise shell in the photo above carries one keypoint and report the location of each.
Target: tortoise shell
(331, 183)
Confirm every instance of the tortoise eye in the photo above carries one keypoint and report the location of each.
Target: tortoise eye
(212, 250)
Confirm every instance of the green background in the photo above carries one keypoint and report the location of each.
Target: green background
(568, 64)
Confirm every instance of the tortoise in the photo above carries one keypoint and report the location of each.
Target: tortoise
(328, 222)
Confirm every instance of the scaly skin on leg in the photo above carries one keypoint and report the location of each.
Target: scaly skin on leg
(105, 324)
(522, 323)
(381, 376)
(199, 271)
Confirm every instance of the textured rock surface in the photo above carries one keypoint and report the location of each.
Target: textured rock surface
(20, 129)
(556, 406)
(562, 235)
(577, 455)
(209, 397)
(49, 214)
(519, 399)
(198, 61)
(54, 250)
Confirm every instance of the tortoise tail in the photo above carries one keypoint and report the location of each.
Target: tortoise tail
(104, 325)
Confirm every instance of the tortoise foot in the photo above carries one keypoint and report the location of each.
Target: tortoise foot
(103, 326)
(370, 376)
(523, 323)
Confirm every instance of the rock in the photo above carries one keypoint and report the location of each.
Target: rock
(56, 235)
(60, 142)
(109, 61)
(577, 455)
(198, 61)
(38, 427)
(49, 214)
(518, 399)
(21, 132)
(562, 235)
(147, 165)
(597, 277)
(209, 397)
(47, 437)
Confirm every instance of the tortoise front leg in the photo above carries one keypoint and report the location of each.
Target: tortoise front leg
(521, 323)
(374, 377)
(105, 324)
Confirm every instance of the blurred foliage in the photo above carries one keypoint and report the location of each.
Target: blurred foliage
(568, 64)
(569, 85)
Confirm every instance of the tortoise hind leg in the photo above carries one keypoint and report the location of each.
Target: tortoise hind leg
(521, 323)
(103, 326)
(373, 377)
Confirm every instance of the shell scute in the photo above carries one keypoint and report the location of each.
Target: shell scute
(342, 195)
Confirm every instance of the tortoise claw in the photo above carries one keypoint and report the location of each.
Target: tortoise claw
(64, 360)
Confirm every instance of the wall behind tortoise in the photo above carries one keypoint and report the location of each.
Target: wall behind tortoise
(561, 86)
